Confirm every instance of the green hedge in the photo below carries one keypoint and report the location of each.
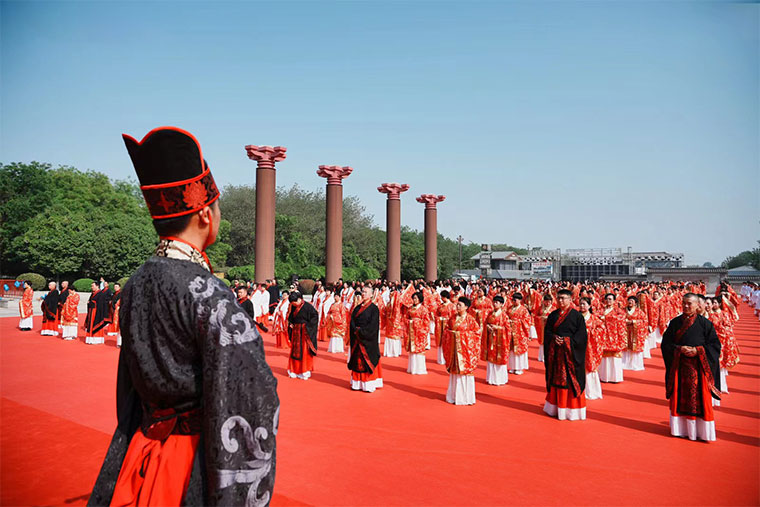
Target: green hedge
(83, 285)
(122, 281)
(37, 281)
(226, 282)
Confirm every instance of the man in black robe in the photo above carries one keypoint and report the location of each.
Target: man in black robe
(364, 345)
(197, 405)
(565, 340)
(98, 315)
(244, 301)
(50, 311)
(691, 352)
(303, 322)
(274, 295)
(62, 296)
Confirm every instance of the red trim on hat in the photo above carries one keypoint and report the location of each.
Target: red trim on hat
(177, 183)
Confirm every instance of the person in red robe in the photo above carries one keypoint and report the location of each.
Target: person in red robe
(637, 329)
(323, 307)
(442, 315)
(26, 308)
(594, 349)
(729, 350)
(691, 351)
(303, 321)
(280, 326)
(461, 345)
(565, 342)
(480, 308)
(539, 321)
(115, 304)
(70, 315)
(494, 348)
(395, 322)
(336, 327)
(364, 344)
(416, 337)
(615, 339)
(520, 323)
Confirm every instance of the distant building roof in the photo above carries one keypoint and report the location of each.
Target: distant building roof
(750, 270)
(499, 256)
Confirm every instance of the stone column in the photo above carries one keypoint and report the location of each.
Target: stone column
(431, 234)
(334, 220)
(265, 157)
(393, 229)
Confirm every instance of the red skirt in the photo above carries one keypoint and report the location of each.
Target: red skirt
(282, 339)
(50, 325)
(707, 408)
(366, 377)
(155, 473)
(303, 365)
(563, 398)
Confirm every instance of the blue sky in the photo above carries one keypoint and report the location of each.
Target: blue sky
(560, 124)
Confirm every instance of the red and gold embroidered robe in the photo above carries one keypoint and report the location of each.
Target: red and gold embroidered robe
(636, 329)
(494, 346)
(595, 345)
(417, 330)
(336, 324)
(480, 308)
(443, 314)
(519, 324)
(69, 312)
(26, 305)
(615, 338)
(539, 320)
(461, 345)
(729, 350)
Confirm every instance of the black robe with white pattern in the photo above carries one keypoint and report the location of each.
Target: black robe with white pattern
(186, 344)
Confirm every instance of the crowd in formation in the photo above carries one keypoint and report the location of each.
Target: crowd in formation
(60, 314)
(464, 324)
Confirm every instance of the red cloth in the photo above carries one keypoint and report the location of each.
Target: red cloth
(366, 377)
(595, 344)
(520, 322)
(155, 472)
(418, 328)
(26, 306)
(563, 398)
(494, 346)
(461, 345)
(306, 363)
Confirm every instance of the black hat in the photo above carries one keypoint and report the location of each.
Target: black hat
(174, 178)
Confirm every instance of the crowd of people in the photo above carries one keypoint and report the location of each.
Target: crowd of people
(588, 334)
(60, 314)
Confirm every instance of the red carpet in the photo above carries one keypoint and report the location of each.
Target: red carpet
(402, 445)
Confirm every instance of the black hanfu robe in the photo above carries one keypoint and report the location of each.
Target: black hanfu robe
(247, 305)
(364, 343)
(98, 311)
(50, 306)
(566, 364)
(692, 375)
(192, 363)
(62, 297)
(303, 325)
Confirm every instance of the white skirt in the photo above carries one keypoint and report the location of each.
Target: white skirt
(518, 363)
(657, 335)
(647, 348)
(118, 340)
(69, 332)
(652, 340)
(533, 334)
(417, 364)
(441, 358)
(541, 353)
(611, 369)
(336, 345)
(565, 414)
(692, 428)
(48, 332)
(94, 340)
(392, 347)
(461, 389)
(303, 376)
(496, 374)
(723, 381)
(633, 360)
(427, 342)
(26, 323)
(367, 387)
(593, 386)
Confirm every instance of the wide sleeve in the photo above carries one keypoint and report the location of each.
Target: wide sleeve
(240, 403)
(579, 340)
(368, 332)
(712, 350)
(668, 344)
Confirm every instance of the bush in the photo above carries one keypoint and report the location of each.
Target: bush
(244, 273)
(122, 281)
(83, 285)
(306, 286)
(226, 282)
(36, 280)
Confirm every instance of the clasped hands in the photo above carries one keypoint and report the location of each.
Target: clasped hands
(688, 351)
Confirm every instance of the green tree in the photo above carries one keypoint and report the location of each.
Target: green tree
(220, 250)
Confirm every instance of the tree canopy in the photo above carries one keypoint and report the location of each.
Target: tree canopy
(63, 222)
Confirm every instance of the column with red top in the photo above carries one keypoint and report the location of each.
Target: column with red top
(431, 234)
(334, 220)
(393, 229)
